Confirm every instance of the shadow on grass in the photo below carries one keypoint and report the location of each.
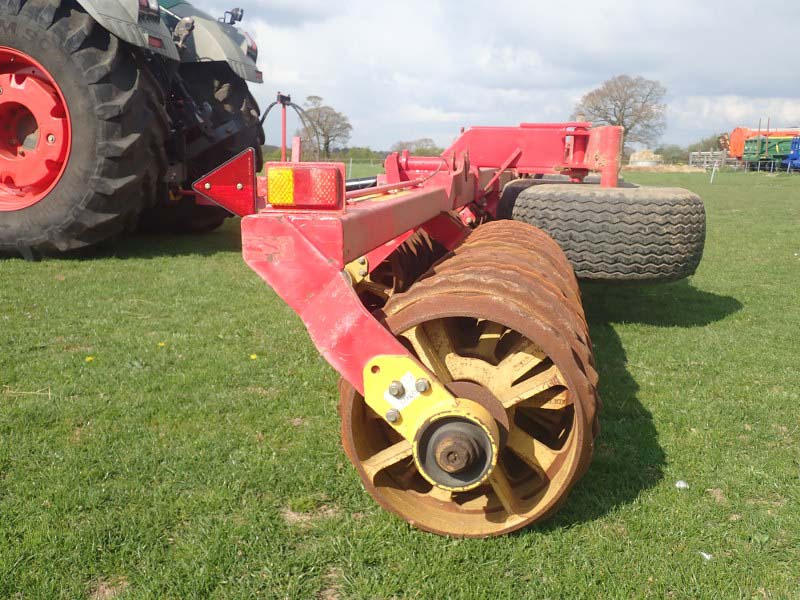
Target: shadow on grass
(628, 458)
(227, 239)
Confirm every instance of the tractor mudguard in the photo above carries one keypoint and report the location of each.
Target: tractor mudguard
(213, 40)
(121, 19)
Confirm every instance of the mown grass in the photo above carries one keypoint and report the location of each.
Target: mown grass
(168, 430)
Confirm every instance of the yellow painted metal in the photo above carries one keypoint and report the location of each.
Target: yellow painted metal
(358, 270)
(416, 410)
(414, 407)
(280, 186)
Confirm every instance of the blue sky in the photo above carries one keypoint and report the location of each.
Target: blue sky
(405, 70)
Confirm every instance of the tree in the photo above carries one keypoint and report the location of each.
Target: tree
(362, 153)
(420, 147)
(328, 127)
(672, 153)
(635, 103)
(708, 144)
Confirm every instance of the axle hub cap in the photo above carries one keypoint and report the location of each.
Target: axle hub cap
(455, 452)
(35, 131)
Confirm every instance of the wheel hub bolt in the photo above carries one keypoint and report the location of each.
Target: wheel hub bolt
(456, 453)
(422, 385)
(396, 389)
(393, 415)
(51, 139)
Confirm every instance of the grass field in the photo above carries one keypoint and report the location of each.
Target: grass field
(168, 430)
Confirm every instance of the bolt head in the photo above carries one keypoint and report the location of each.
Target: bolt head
(396, 389)
(362, 260)
(207, 186)
(239, 187)
(456, 453)
(422, 385)
(393, 415)
(51, 139)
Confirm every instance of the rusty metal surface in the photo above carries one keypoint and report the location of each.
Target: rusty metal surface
(515, 294)
(402, 267)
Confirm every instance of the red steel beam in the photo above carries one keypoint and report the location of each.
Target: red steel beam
(342, 329)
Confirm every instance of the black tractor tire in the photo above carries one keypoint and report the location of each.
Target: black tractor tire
(118, 130)
(618, 234)
(228, 96)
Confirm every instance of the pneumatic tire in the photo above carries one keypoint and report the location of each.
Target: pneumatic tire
(117, 155)
(619, 234)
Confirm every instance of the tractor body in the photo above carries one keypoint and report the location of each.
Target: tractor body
(123, 20)
(468, 392)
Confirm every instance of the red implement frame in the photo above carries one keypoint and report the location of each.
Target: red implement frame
(302, 254)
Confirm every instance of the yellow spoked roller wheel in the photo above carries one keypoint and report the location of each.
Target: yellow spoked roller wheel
(500, 324)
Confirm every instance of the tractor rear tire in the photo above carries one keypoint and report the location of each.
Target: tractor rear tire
(618, 234)
(116, 158)
(228, 96)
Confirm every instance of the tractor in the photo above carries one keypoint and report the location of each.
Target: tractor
(109, 110)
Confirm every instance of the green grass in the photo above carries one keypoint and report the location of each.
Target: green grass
(363, 169)
(169, 470)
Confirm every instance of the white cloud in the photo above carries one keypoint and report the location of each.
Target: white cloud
(423, 68)
(717, 113)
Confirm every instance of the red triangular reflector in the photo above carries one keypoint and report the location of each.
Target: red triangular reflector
(232, 185)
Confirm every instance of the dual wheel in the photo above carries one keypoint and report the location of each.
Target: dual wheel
(500, 324)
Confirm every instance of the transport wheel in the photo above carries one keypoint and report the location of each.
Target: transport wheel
(81, 143)
(510, 337)
(227, 95)
(617, 234)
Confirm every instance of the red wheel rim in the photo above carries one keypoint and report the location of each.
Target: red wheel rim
(35, 131)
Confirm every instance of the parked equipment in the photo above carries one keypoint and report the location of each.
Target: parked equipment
(109, 110)
(766, 152)
(468, 395)
(740, 135)
(793, 160)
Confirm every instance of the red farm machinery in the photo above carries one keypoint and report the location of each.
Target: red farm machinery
(444, 292)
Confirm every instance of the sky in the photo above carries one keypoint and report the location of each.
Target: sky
(425, 68)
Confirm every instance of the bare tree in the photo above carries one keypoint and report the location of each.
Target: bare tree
(635, 103)
(327, 126)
